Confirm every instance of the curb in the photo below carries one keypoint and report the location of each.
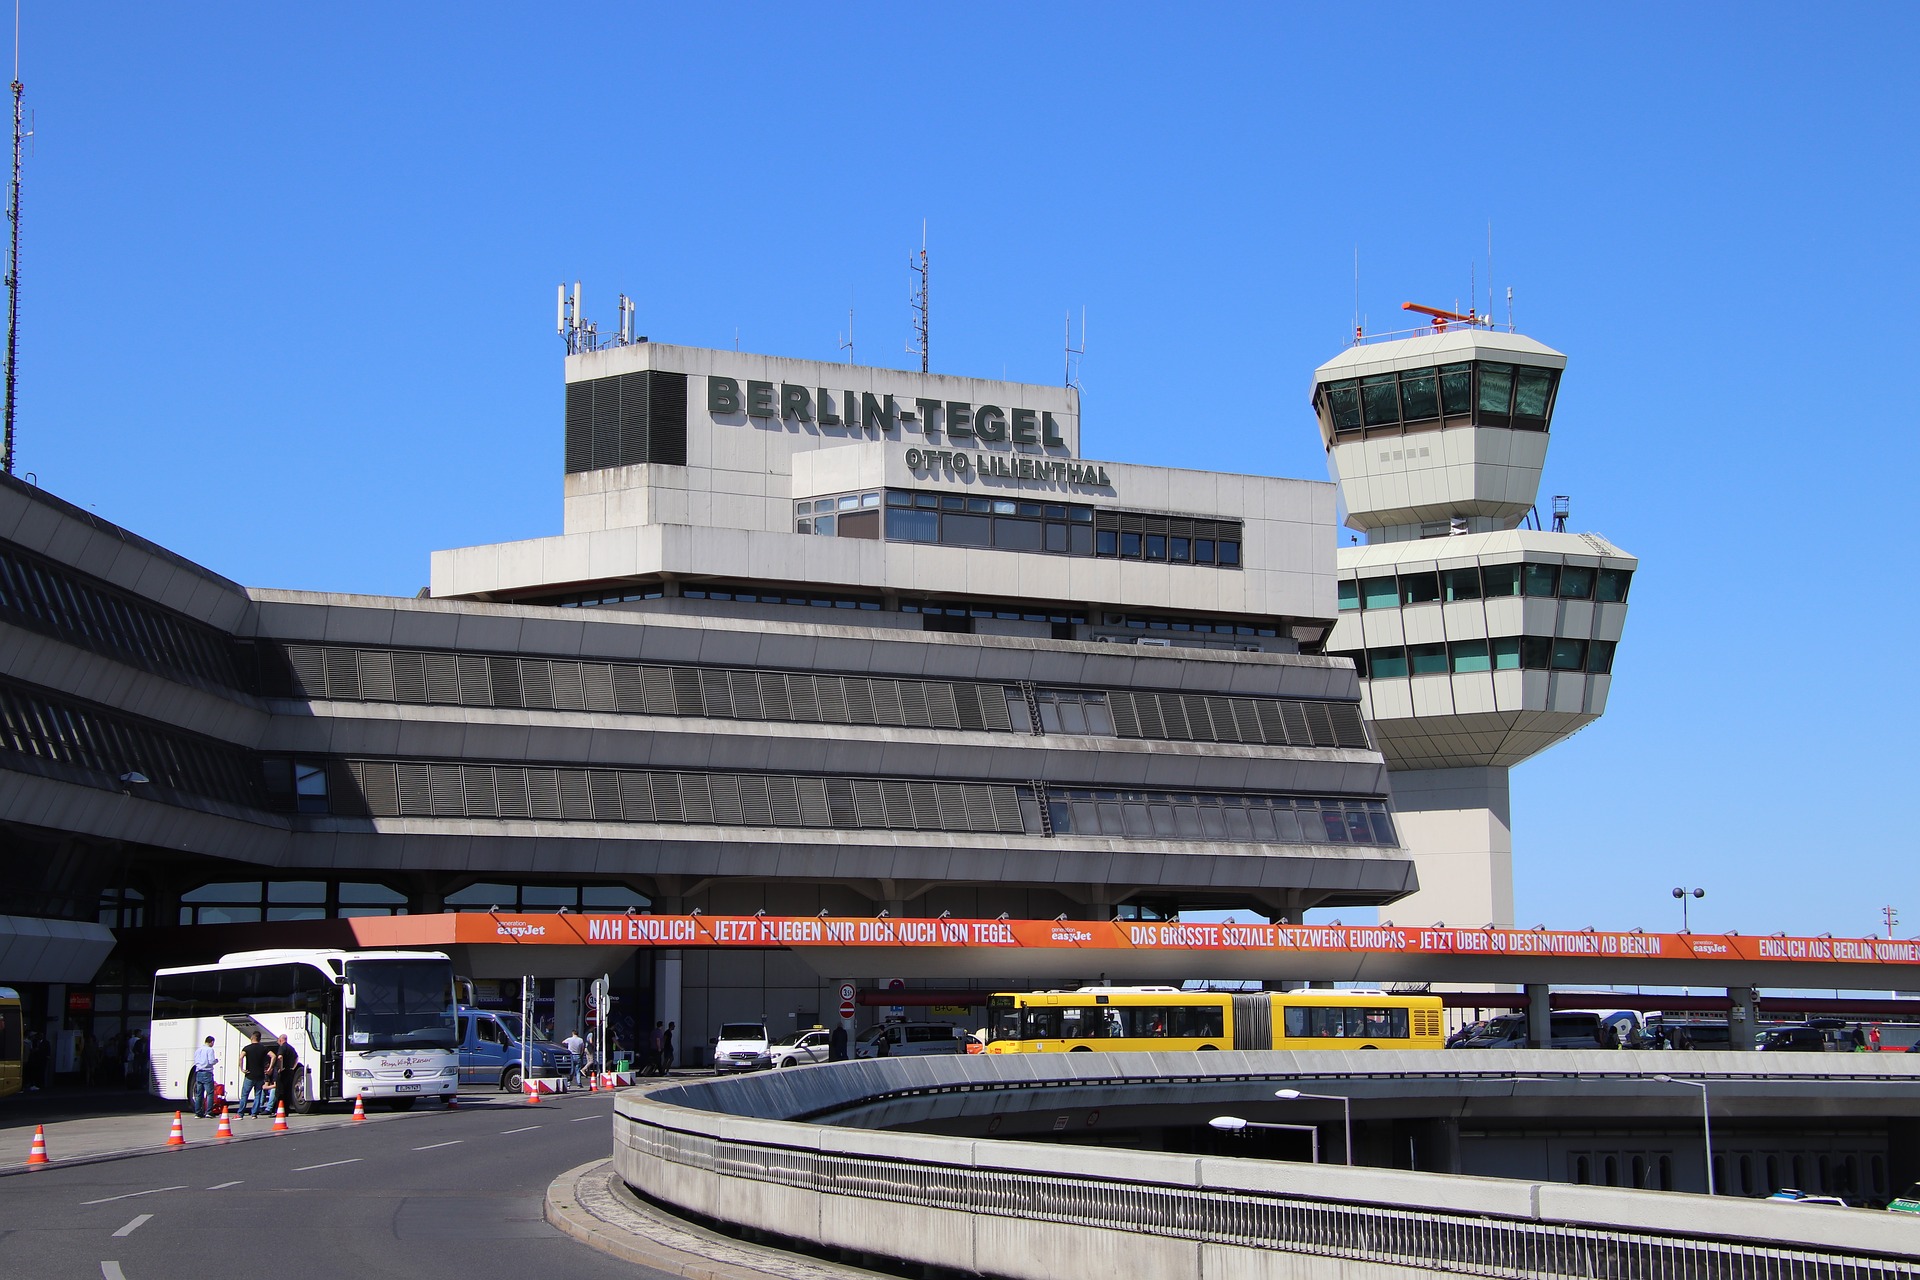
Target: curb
(594, 1207)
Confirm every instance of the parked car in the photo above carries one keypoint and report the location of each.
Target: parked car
(742, 1046)
(1793, 1195)
(1910, 1202)
(1509, 1031)
(1807, 1038)
(808, 1046)
(910, 1039)
(490, 1050)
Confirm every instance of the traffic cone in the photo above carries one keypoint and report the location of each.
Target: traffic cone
(453, 1101)
(280, 1119)
(359, 1107)
(225, 1130)
(178, 1138)
(533, 1091)
(37, 1153)
(593, 1083)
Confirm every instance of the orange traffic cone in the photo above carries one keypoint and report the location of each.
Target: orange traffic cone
(533, 1090)
(593, 1083)
(37, 1153)
(453, 1101)
(359, 1107)
(225, 1130)
(280, 1119)
(177, 1138)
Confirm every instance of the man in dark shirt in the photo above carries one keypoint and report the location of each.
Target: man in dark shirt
(286, 1062)
(254, 1059)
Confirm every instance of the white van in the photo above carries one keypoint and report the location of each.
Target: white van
(910, 1039)
(741, 1046)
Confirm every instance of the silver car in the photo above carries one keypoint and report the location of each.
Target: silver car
(808, 1046)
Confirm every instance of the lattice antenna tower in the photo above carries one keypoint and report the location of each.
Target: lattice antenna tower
(919, 300)
(1071, 350)
(20, 135)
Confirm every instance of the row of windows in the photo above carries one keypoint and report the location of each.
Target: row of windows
(1486, 582)
(38, 725)
(1503, 653)
(545, 897)
(252, 901)
(1013, 525)
(1371, 1024)
(1234, 818)
(1111, 1022)
(992, 609)
(1491, 393)
(78, 609)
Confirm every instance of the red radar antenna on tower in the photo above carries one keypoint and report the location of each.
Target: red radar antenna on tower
(1441, 319)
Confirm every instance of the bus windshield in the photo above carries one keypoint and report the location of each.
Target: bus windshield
(401, 1004)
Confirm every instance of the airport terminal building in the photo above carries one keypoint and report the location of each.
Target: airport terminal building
(813, 638)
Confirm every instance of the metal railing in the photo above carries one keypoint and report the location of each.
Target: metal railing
(1447, 1241)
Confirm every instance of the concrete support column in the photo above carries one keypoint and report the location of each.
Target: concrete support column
(1742, 1024)
(1458, 825)
(1539, 1015)
(667, 965)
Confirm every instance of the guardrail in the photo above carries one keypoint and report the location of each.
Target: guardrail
(1018, 1210)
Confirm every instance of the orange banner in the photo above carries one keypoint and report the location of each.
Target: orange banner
(1123, 935)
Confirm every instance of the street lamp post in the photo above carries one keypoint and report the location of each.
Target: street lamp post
(1234, 1124)
(1706, 1119)
(1346, 1110)
(1683, 894)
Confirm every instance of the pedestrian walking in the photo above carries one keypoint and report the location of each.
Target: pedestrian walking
(200, 1094)
(655, 1045)
(578, 1048)
(666, 1049)
(255, 1058)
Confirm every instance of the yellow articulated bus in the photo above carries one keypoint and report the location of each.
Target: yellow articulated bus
(1133, 1019)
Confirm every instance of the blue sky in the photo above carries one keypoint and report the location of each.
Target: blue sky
(289, 292)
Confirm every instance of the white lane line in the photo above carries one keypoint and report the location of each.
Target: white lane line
(131, 1194)
(328, 1165)
(583, 1119)
(435, 1146)
(112, 1271)
(134, 1226)
(529, 1129)
(222, 1186)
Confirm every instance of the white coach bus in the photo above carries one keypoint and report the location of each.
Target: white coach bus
(374, 1023)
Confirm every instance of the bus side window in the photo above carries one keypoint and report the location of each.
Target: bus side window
(1150, 1022)
(1296, 1021)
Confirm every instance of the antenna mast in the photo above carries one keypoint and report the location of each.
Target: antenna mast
(1072, 350)
(919, 300)
(847, 344)
(13, 256)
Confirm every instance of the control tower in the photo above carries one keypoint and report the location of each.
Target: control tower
(1480, 637)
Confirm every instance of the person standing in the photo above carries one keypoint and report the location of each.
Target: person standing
(254, 1060)
(578, 1048)
(36, 1065)
(200, 1092)
(136, 1065)
(654, 1047)
(286, 1061)
(666, 1049)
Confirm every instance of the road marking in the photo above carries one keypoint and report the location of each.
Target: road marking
(112, 1271)
(222, 1186)
(134, 1226)
(529, 1129)
(131, 1194)
(579, 1119)
(328, 1165)
(437, 1145)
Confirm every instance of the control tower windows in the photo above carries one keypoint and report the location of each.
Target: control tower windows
(1349, 594)
(1460, 584)
(1470, 655)
(1378, 593)
(1381, 398)
(1498, 580)
(1576, 582)
(1427, 659)
(1488, 393)
(1493, 581)
(1496, 391)
(1456, 389)
(1502, 653)
(1419, 588)
(1541, 580)
(1419, 395)
(1610, 587)
(1343, 405)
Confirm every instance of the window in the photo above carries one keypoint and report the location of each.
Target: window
(1569, 655)
(1229, 552)
(1349, 594)
(1500, 580)
(1419, 394)
(1496, 391)
(1428, 659)
(1180, 550)
(1343, 405)
(1380, 398)
(1536, 652)
(1460, 584)
(1018, 535)
(1106, 542)
(912, 526)
(1600, 657)
(1470, 655)
(1203, 550)
(309, 787)
(966, 531)
(1073, 711)
(860, 524)
(1576, 582)
(1419, 588)
(1611, 585)
(1541, 579)
(1378, 593)
(1456, 389)
(1532, 394)
(1130, 546)
(1383, 663)
(1156, 546)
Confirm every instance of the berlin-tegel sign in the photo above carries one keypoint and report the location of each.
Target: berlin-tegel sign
(1119, 935)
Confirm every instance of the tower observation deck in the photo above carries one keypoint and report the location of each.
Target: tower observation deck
(1479, 641)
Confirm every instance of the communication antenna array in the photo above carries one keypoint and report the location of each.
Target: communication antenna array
(846, 343)
(582, 335)
(919, 300)
(13, 257)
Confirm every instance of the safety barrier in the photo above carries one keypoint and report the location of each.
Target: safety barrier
(1018, 1210)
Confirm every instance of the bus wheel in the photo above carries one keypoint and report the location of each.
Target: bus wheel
(510, 1080)
(1081, 1048)
(1205, 1047)
(1369, 1046)
(303, 1104)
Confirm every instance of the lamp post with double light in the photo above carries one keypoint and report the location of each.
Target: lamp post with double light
(1346, 1110)
(1706, 1119)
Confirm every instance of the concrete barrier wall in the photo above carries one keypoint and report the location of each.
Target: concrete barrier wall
(1042, 1210)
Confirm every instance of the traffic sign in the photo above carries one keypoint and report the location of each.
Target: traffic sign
(846, 1008)
(846, 992)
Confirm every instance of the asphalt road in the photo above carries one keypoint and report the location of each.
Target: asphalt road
(429, 1194)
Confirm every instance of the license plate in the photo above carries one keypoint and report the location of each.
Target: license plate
(406, 1088)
